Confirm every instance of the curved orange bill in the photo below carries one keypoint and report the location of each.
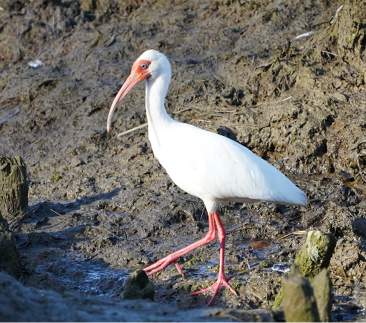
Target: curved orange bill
(138, 73)
(131, 81)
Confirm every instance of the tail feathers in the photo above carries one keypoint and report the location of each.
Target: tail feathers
(298, 198)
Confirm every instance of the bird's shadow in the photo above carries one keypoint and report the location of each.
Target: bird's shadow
(42, 209)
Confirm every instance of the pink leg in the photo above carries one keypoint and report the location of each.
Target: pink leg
(222, 280)
(172, 258)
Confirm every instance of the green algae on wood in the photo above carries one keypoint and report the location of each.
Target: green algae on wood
(315, 254)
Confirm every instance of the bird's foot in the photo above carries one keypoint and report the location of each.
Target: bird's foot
(221, 281)
(162, 263)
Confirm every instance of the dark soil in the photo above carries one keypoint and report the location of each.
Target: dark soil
(101, 206)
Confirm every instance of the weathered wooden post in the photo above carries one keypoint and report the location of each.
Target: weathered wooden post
(313, 299)
(13, 187)
(13, 202)
(298, 302)
(9, 255)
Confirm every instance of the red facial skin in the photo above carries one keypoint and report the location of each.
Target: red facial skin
(139, 72)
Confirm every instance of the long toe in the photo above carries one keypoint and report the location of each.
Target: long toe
(159, 265)
(163, 263)
(221, 281)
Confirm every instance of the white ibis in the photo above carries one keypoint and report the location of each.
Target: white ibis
(204, 164)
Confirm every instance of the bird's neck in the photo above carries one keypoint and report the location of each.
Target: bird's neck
(156, 90)
(158, 119)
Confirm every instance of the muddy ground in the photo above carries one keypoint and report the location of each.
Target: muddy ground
(101, 206)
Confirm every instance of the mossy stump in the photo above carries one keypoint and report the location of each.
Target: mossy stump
(305, 301)
(315, 254)
(13, 187)
(138, 286)
(311, 262)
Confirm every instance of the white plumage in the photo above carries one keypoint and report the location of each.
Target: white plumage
(215, 168)
(204, 164)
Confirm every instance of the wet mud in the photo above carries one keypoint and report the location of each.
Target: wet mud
(101, 206)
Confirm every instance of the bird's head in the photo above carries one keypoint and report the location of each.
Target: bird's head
(149, 65)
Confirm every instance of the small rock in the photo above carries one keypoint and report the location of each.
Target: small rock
(138, 286)
(35, 64)
(359, 227)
